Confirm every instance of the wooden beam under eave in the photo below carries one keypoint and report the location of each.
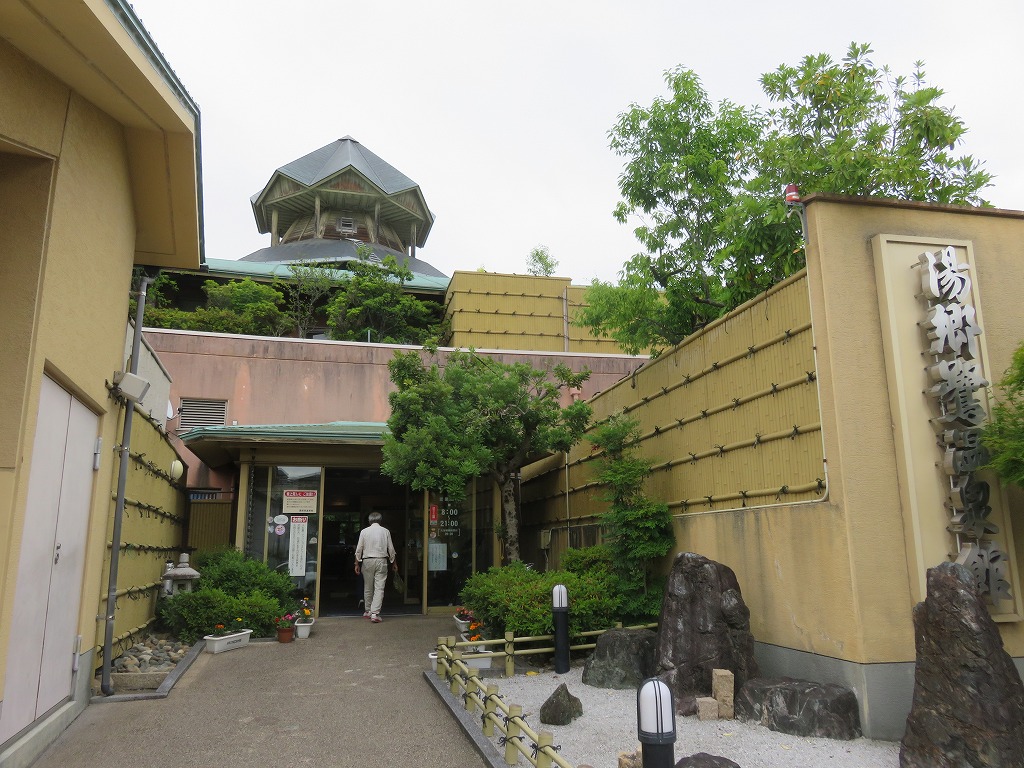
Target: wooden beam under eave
(376, 222)
(412, 242)
(275, 239)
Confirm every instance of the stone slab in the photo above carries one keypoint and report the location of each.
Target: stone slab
(137, 681)
(707, 708)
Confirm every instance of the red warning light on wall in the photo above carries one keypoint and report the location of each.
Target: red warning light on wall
(433, 514)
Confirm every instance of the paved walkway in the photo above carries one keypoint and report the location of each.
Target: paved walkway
(353, 694)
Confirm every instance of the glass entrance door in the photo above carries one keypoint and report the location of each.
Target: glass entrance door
(350, 495)
(293, 525)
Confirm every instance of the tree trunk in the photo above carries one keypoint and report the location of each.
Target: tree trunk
(511, 516)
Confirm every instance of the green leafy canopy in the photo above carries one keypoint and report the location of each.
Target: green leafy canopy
(706, 183)
(476, 417)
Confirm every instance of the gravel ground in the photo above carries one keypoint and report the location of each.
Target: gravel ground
(608, 727)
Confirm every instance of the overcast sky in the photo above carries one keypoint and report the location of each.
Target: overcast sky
(501, 111)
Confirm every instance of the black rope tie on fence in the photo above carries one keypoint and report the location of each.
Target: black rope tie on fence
(503, 740)
(704, 414)
(811, 376)
(757, 439)
(743, 495)
(711, 500)
(783, 490)
(821, 483)
(693, 458)
(796, 431)
(721, 450)
(686, 379)
(534, 749)
(750, 351)
(775, 389)
(788, 334)
(735, 403)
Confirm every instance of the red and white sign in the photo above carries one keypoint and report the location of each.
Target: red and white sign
(300, 502)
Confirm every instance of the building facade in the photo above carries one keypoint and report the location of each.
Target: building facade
(99, 173)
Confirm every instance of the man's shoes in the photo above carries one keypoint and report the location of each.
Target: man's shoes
(366, 614)
(376, 619)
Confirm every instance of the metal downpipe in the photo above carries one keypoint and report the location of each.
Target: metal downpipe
(122, 481)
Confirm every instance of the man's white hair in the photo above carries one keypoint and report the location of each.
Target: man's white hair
(375, 517)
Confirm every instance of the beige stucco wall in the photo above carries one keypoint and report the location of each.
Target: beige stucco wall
(832, 576)
(74, 299)
(858, 422)
(490, 310)
(68, 229)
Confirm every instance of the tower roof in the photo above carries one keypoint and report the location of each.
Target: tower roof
(345, 176)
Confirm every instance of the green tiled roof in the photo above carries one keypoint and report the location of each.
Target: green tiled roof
(270, 269)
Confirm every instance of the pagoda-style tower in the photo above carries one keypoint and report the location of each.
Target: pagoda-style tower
(319, 207)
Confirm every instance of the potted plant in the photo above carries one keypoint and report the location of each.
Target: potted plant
(474, 634)
(285, 627)
(304, 618)
(463, 618)
(227, 636)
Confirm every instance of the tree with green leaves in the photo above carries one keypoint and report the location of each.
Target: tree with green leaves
(239, 306)
(473, 417)
(707, 182)
(541, 262)
(639, 529)
(306, 292)
(373, 305)
(1003, 435)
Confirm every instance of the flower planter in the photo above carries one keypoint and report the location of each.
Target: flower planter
(472, 648)
(462, 625)
(302, 628)
(219, 643)
(285, 634)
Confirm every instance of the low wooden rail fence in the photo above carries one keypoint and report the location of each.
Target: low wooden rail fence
(496, 714)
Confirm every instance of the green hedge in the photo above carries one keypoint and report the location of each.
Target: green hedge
(517, 599)
(235, 573)
(231, 586)
(191, 615)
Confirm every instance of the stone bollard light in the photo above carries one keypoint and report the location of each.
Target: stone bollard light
(656, 724)
(560, 619)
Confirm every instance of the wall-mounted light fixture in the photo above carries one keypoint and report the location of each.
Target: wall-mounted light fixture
(130, 385)
(177, 470)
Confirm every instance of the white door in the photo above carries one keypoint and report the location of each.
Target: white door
(48, 592)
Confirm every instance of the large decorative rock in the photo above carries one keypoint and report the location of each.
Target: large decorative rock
(561, 708)
(622, 659)
(704, 760)
(704, 625)
(800, 707)
(968, 704)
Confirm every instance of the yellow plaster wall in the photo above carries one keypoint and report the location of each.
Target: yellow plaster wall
(77, 248)
(152, 530)
(498, 311)
(855, 388)
(828, 576)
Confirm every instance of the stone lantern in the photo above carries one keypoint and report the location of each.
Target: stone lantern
(179, 578)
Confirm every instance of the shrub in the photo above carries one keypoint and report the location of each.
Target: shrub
(236, 574)
(191, 615)
(230, 586)
(516, 599)
(597, 559)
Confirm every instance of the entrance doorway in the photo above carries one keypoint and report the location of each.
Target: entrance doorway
(350, 495)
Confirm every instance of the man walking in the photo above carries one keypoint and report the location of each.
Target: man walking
(373, 553)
